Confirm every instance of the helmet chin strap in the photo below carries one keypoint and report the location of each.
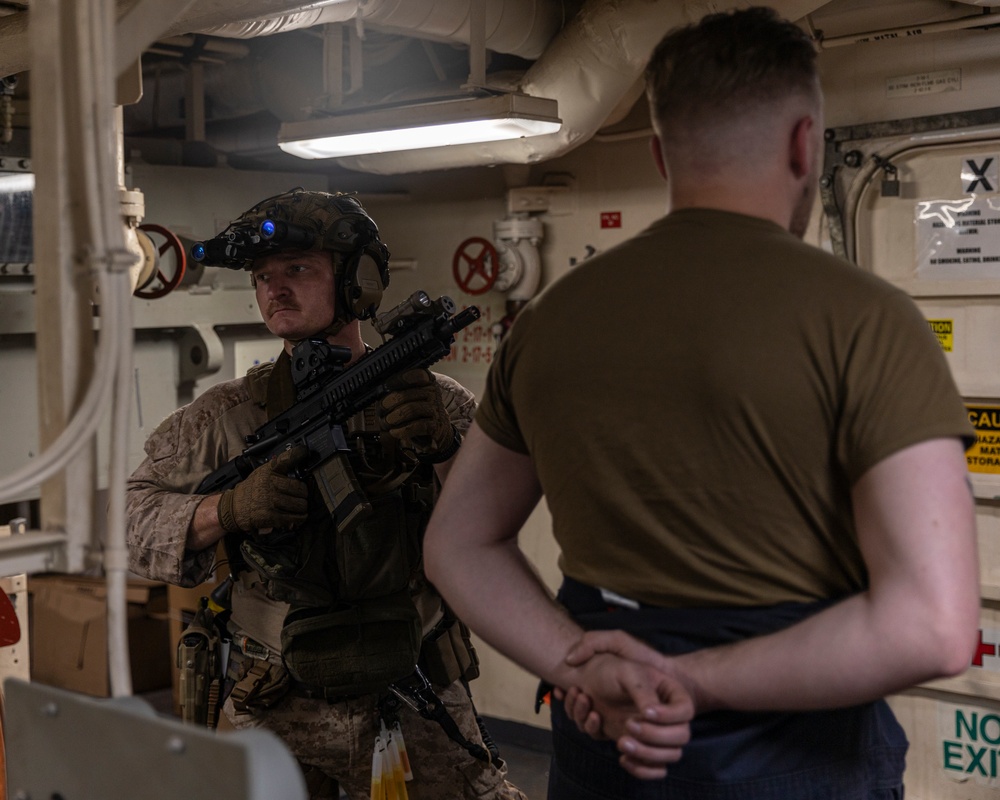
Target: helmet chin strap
(339, 322)
(334, 327)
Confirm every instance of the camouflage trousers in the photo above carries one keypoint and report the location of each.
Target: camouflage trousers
(334, 742)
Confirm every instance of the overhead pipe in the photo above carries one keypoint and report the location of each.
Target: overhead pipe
(594, 61)
(519, 271)
(589, 65)
(15, 48)
(283, 77)
(72, 59)
(518, 27)
(908, 31)
(517, 238)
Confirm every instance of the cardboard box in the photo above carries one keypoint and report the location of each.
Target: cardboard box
(69, 633)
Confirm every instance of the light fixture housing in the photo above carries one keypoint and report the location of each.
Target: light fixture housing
(437, 123)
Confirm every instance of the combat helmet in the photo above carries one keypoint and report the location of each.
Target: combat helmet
(309, 220)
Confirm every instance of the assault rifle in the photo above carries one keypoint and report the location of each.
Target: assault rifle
(328, 393)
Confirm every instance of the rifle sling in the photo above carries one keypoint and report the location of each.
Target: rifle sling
(280, 388)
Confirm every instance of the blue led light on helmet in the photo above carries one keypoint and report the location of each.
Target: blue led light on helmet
(278, 233)
(294, 220)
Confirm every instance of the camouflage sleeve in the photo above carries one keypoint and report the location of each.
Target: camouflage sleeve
(459, 402)
(185, 447)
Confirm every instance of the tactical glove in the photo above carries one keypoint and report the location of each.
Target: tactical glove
(414, 413)
(268, 497)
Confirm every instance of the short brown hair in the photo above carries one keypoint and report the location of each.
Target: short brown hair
(724, 66)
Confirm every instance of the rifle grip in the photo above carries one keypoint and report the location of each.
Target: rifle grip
(343, 495)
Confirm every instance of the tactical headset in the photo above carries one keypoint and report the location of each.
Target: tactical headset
(307, 220)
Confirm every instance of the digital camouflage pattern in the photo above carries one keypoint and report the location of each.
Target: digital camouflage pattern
(187, 446)
(333, 741)
(337, 739)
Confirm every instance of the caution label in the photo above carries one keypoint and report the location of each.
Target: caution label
(944, 329)
(960, 239)
(984, 455)
(947, 80)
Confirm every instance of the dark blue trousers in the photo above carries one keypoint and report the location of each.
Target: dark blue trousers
(856, 753)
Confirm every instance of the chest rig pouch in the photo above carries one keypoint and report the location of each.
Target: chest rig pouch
(352, 627)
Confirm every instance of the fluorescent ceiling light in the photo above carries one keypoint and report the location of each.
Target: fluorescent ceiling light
(17, 182)
(433, 124)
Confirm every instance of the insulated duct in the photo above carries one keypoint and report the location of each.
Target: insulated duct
(589, 65)
(593, 62)
(518, 27)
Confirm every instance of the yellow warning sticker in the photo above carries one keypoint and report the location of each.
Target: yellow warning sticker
(984, 455)
(944, 329)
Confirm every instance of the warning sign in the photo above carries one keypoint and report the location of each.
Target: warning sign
(958, 239)
(611, 219)
(969, 739)
(980, 174)
(944, 329)
(984, 455)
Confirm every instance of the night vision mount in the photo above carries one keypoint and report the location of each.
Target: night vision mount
(239, 244)
(340, 224)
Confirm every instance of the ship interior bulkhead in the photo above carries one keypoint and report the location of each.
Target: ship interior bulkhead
(132, 129)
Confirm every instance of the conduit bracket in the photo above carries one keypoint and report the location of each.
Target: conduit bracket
(200, 352)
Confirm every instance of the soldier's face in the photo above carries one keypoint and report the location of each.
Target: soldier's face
(295, 292)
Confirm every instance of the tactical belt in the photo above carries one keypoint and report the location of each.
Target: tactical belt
(299, 689)
(261, 684)
(258, 681)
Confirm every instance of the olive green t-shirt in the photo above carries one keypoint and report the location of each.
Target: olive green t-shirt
(698, 402)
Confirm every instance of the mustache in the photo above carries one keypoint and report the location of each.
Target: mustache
(273, 308)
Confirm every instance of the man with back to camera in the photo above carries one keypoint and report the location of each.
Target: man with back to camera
(760, 473)
(292, 566)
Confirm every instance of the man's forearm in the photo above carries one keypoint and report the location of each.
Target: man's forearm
(205, 529)
(848, 654)
(471, 556)
(494, 590)
(917, 532)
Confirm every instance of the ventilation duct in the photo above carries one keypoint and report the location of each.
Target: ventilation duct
(518, 27)
(589, 65)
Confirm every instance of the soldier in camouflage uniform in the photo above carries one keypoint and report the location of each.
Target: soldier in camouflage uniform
(297, 578)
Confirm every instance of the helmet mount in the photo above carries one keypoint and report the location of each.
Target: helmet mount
(310, 220)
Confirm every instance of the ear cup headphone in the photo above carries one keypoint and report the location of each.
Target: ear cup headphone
(362, 277)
